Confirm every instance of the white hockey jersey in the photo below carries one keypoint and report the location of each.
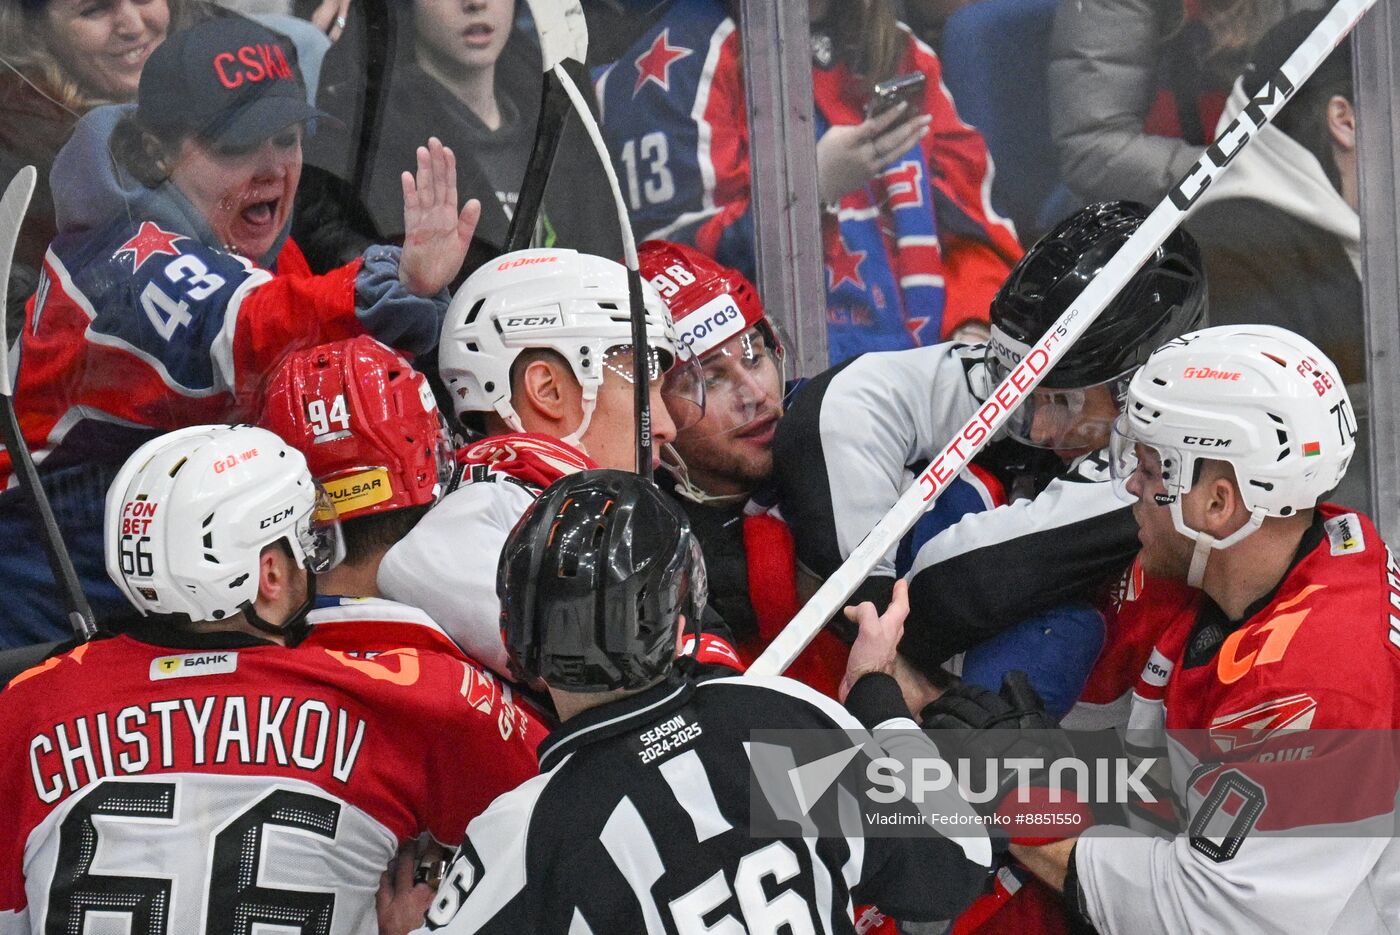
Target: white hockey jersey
(447, 564)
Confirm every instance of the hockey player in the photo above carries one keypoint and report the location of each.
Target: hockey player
(372, 436)
(722, 466)
(199, 773)
(1066, 537)
(536, 353)
(172, 288)
(642, 819)
(1231, 438)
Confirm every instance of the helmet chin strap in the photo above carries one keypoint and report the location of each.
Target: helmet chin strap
(590, 401)
(294, 629)
(685, 487)
(575, 438)
(1205, 543)
(507, 412)
(1196, 574)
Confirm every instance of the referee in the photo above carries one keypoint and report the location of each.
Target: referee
(641, 818)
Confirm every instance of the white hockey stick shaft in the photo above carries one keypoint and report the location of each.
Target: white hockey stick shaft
(13, 206)
(563, 33)
(1053, 345)
(641, 385)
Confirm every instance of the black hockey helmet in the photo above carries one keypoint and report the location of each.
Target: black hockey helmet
(1166, 299)
(591, 581)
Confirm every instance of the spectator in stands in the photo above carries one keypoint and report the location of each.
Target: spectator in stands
(914, 252)
(62, 58)
(467, 73)
(1136, 86)
(1280, 232)
(172, 288)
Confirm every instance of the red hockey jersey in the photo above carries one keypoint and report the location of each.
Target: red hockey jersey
(1289, 821)
(225, 782)
(185, 331)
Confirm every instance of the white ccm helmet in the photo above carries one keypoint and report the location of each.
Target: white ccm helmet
(572, 303)
(1258, 397)
(190, 512)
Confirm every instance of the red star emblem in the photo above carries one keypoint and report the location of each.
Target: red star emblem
(655, 63)
(844, 266)
(149, 241)
(914, 326)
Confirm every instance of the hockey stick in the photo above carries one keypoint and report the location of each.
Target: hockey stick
(641, 377)
(554, 113)
(12, 208)
(557, 47)
(564, 37)
(1056, 341)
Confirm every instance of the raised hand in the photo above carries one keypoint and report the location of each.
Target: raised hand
(436, 235)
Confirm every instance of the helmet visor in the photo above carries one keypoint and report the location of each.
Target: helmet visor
(743, 387)
(446, 457)
(682, 381)
(1158, 470)
(1063, 419)
(319, 535)
(699, 584)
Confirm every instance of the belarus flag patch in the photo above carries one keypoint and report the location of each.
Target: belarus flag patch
(1311, 449)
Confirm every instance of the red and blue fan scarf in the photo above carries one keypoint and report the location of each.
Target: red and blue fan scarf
(884, 268)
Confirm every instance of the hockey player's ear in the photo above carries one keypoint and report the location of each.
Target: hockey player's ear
(1221, 506)
(549, 390)
(281, 583)
(1341, 123)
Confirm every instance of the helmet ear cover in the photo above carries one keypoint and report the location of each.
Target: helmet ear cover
(592, 582)
(1165, 298)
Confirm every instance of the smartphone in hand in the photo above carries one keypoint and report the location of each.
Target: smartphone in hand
(902, 89)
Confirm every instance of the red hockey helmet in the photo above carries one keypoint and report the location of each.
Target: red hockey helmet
(366, 422)
(710, 302)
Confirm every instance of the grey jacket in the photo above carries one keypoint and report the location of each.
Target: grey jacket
(1102, 80)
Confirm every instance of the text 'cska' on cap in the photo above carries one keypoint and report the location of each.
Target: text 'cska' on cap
(226, 79)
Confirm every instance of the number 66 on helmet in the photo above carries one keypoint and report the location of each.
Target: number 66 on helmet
(190, 512)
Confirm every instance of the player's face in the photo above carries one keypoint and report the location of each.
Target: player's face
(244, 194)
(457, 34)
(1073, 422)
(730, 450)
(611, 436)
(1165, 552)
(104, 44)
